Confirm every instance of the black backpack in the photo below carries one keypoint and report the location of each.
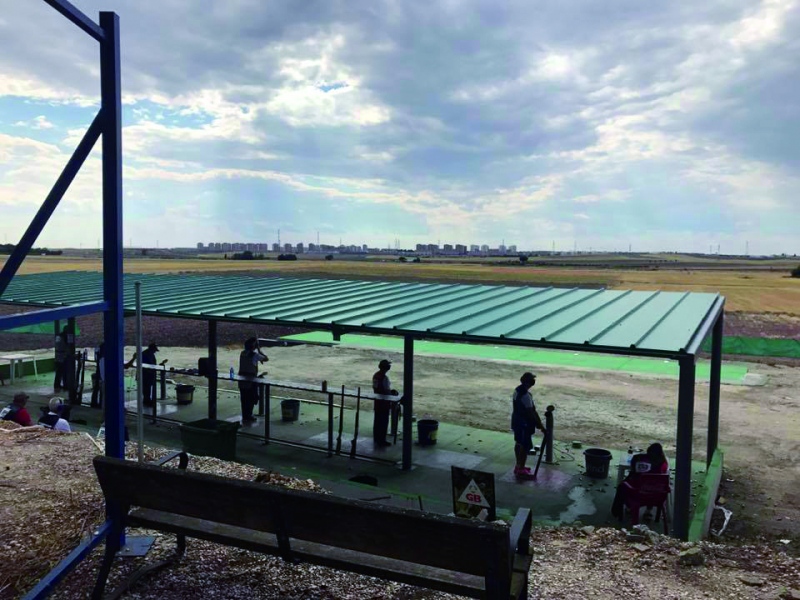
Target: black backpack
(9, 412)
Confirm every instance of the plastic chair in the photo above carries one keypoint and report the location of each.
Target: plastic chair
(648, 490)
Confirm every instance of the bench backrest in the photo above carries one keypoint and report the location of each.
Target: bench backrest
(429, 539)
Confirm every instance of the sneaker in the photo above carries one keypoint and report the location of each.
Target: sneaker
(523, 474)
(522, 469)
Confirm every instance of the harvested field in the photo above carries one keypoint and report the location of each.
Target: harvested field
(569, 563)
(746, 290)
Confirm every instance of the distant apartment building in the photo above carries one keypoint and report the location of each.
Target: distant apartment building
(447, 248)
(300, 248)
(312, 247)
(421, 247)
(501, 249)
(474, 248)
(276, 247)
(461, 249)
(364, 248)
(485, 248)
(199, 245)
(512, 249)
(287, 248)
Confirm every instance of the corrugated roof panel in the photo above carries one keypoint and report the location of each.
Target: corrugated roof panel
(677, 329)
(658, 323)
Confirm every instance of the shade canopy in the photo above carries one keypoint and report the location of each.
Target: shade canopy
(649, 323)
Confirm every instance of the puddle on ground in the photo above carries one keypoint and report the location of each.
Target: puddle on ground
(582, 504)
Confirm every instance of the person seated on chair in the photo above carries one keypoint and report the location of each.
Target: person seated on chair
(653, 462)
(53, 420)
(17, 412)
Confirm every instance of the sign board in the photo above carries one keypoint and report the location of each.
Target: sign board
(473, 491)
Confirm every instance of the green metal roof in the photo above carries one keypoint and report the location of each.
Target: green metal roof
(624, 322)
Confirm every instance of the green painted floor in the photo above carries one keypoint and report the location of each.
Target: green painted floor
(731, 372)
(561, 494)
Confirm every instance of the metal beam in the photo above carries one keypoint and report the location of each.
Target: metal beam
(48, 583)
(50, 314)
(77, 17)
(112, 234)
(408, 400)
(50, 203)
(700, 335)
(714, 387)
(683, 452)
(212, 367)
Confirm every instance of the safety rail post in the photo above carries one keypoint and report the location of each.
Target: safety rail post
(267, 394)
(549, 426)
(330, 424)
(212, 369)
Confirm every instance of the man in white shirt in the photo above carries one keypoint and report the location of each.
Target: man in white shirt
(53, 420)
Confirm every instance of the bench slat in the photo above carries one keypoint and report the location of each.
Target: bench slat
(471, 547)
(337, 558)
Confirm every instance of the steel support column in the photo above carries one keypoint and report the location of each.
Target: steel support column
(683, 453)
(212, 367)
(110, 99)
(408, 400)
(714, 387)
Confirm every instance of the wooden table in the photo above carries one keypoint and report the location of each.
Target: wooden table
(13, 359)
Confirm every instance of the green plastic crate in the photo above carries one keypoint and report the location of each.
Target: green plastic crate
(210, 437)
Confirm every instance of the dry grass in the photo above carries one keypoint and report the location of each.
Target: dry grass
(747, 291)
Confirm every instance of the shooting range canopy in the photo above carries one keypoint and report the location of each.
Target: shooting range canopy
(645, 323)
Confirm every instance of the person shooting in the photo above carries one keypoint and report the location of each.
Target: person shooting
(382, 385)
(249, 360)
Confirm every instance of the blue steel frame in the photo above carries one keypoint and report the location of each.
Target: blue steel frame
(107, 123)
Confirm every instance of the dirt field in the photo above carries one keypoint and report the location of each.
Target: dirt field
(746, 290)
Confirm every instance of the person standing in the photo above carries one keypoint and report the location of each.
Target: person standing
(16, 411)
(61, 352)
(53, 419)
(148, 374)
(382, 385)
(249, 359)
(524, 422)
(98, 377)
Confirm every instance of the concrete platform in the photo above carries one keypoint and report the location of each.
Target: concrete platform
(562, 492)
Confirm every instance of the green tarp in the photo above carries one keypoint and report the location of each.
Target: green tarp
(748, 346)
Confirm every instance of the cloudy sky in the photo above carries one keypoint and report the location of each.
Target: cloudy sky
(659, 125)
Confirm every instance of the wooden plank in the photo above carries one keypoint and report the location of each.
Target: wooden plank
(304, 551)
(402, 534)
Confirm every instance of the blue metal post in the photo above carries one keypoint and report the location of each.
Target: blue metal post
(111, 102)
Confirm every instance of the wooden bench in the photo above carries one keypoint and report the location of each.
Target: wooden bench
(472, 558)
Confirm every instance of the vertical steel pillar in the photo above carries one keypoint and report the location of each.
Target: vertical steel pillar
(408, 400)
(714, 385)
(683, 453)
(212, 367)
(111, 106)
(69, 364)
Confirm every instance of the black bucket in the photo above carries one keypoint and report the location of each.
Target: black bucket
(427, 430)
(185, 393)
(290, 410)
(597, 461)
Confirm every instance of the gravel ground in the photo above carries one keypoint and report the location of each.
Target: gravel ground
(52, 472)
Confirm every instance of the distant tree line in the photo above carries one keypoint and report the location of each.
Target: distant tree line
(9, 248)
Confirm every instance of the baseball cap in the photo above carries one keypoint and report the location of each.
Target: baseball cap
(384, 363)
(527, 377)
(21, 397)
(152, 346)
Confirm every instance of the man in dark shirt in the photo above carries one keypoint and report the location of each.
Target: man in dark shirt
(148, 375)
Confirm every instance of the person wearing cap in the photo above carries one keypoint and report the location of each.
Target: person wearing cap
(53, 420)
(16, 411)
(382, 385)
(524, 422)
(148, 375)
(249, 359)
